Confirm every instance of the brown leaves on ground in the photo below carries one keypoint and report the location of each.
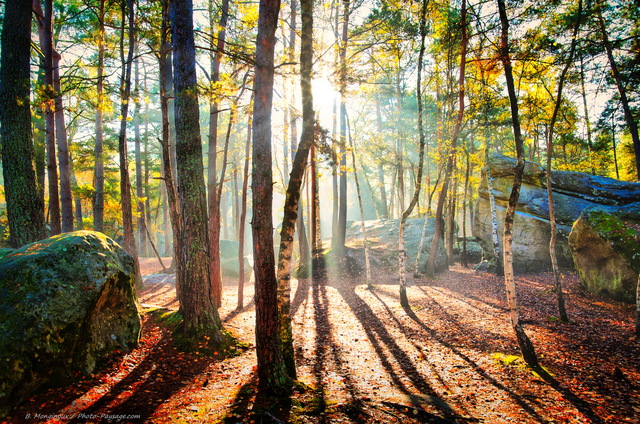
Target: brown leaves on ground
(361, 357)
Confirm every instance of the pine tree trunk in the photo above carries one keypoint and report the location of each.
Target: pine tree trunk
(291, 206)
(77, 200)
(200, 315)
(316, 236)
(562, 312)
(141, 224)
(66, 198)
(622, 90)
(213, 198)
(272, 371)
(24, 209)
(166, 90)
(45, 31)
(40, 142)
(98, 200)
(402, 253)
(243, 215)
(340, 237)
(367, 261)
(431, 264)
(526, 347)
(587, 121)
(129, 243)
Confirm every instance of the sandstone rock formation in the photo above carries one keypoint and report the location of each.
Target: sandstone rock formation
(573, 192)
(64, 302)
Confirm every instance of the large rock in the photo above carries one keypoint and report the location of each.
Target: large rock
(605, 243)
(229, 264)
(383, 235)
(64, 302)
(572, 193)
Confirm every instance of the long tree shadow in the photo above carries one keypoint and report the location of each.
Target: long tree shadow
(380, 338)
(325, 348)
(149, 384)
(580, 404)
(254, 405)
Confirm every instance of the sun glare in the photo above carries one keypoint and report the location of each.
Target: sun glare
(324, 97)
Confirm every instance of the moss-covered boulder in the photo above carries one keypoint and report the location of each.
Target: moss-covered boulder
(605, 244)
(64, 302)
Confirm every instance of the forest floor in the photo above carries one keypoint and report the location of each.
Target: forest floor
(362, 358)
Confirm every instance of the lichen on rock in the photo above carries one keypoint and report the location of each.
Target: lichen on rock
(605, 244)
(64, 302)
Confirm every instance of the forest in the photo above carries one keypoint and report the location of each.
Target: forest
(320, 211)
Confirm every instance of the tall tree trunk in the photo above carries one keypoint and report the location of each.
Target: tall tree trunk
(235, 201)
(628, 114)
(367, 261)
(383, 189)
(562, 312)
(200, 315)
(272, 370)
(402, 253)
(98, 200)
(494, 218)
(431, 264)
(40, 142)
(141, 224)
(24, 210)
(66, 198)
(465, 206)
(526, 347)
(213, 199)
(45, 31)
(77, 200)
(291, 205)
(587, 121)
(316, 236)
(342, 210)
(168, 139)
(334, 131)
(129, 243)
(399, 145)
(243, 216)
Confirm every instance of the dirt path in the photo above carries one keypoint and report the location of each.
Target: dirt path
(451, 357)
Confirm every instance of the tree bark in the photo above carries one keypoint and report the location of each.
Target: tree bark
(45, 31)
(98, 200)
(431, 264)
(494, 221)
(166, 89)
(628, 114)
(129, 242)
(340, 237)
(24, 209)
(562, 312)
(243, 216)
(199, 313)
(291, 205)
(526, 347)
(402, 253)
(66, 198)
(272, 372)
(143, 249)
(213, 191)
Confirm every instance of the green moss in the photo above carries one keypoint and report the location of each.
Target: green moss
(622, 233)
